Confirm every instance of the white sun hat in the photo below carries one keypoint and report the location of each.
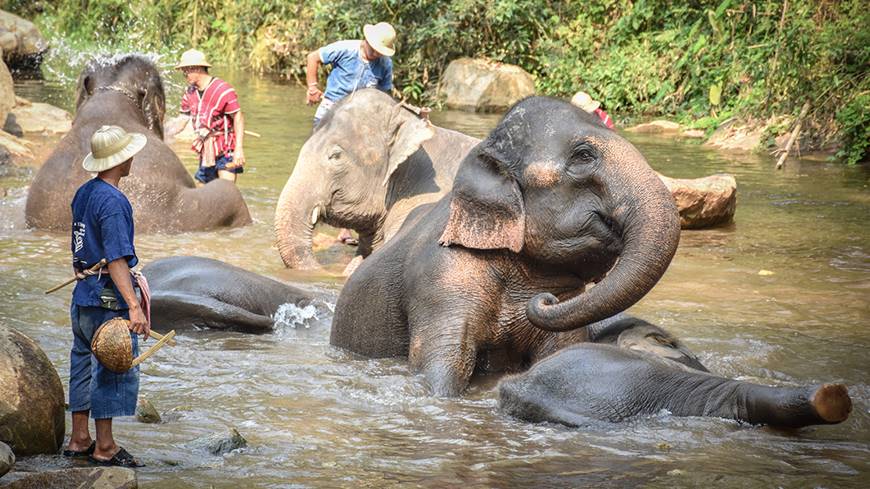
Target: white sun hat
(585, 102)
(381, 37)
(111, 146)
(192, 57)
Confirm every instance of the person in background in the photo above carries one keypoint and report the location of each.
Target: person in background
(102, 228)
(355, 64)
(213, 108)
(585, 102)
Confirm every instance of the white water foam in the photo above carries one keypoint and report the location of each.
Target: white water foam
(290, 315)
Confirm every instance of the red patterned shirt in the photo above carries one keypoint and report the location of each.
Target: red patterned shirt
(213, 110)
(604, 117)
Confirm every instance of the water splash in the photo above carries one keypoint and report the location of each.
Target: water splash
(290, 316)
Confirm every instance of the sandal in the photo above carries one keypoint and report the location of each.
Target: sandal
(81, 453)
(121, 459)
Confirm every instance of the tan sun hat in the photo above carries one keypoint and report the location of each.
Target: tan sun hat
(585, 102)
(111, 146)
(381, 37)
(192, 57)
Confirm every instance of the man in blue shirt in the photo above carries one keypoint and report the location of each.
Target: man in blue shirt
(355, 64)
(102, 228)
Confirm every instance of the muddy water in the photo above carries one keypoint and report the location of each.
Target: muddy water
(314, 417)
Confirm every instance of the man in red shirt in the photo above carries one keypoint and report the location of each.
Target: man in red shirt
(585, 102)
(213, 108)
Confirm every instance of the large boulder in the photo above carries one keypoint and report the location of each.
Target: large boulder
(731, 135)
(704, 202)
(85, 478)
(478, 85)
(31, 397)
(656, 127)
(21, 42)
(35, 117)
(7, 93)
(7, 459)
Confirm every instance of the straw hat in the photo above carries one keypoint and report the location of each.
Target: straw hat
(585, 102)
(381, 37)
(112, 345)
(111, 146)
(192, 57)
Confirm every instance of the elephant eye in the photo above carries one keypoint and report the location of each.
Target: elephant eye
(583, 153)
(335, 153)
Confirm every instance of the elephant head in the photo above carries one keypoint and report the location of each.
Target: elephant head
(132, 75)
(554, 185)
(342, 175)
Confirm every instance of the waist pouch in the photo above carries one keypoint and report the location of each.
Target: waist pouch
(108, 299)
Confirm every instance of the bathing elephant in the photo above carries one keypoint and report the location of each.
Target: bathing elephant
(606, 382)
(368, 164)
(494, 273)
(126, 90)
(191, 291)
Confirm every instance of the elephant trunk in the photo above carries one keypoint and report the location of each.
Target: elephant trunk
(786, 407)
(646, 212)
(297, 213)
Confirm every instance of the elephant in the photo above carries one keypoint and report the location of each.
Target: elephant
(370, 162)
(593, 381)
(494, 275)
(192, 291)
(126, 90)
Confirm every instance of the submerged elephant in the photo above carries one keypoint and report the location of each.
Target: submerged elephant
(191, 291)
(370, 162)
(494, 273)
(126, 90)
(594, 381)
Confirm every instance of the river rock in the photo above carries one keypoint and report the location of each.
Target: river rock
(84, 478)
(17, 147)
(7, 93)
(704, 202)
(36, 117)
(21, 42)
(732, 136)
(7, 459)
(478, 85)
(146, 413)
(31, 397)
(656, 127)
(221, 443)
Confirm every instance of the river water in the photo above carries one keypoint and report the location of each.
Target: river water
(314, 417)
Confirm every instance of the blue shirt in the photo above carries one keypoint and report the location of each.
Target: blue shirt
(102, 228)
(351, 72)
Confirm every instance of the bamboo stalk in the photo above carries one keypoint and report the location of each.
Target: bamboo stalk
(794, 134)
(100, 264)
(141, 358)
(159, 337)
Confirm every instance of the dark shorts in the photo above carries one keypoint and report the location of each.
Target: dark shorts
(207, 174)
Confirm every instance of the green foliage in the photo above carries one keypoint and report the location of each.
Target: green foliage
(701, 59)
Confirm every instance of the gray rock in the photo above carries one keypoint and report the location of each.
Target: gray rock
(7, 94)
(21, 42)
(37, 117)
(478, 85)
(146, 413)
(31, 397)
(7, 459)
(221, 443)
(87, 478)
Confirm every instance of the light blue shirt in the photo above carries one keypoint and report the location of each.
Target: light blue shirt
(350, 72)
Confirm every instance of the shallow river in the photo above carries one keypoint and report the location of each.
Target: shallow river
(313, 417)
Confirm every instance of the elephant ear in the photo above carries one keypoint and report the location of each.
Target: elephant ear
(486, 205)
(85, 86)
(408, 133)
(153, 101)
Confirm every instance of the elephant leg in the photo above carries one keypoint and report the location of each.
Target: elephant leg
(445, 358)
(179, 310)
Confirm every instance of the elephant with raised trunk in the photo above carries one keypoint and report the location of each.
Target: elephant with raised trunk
(126, 91)
(494, 274)
(593, 381)
(370, 162)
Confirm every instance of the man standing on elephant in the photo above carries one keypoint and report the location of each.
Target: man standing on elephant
(102, 228)
(355, 64)
(214, 111)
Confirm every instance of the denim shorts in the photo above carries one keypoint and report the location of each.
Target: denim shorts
(207, 174)
(91, 385)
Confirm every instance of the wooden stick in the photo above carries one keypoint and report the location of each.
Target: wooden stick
(252, 133)
(100, 264)
(141, 358)
(794, 134)
(159, 337)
